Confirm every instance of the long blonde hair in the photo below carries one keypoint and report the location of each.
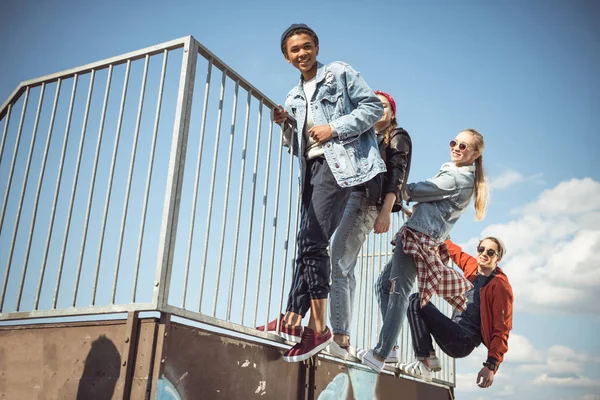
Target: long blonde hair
(481, 187)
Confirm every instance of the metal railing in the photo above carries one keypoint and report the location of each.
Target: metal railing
(113, 202)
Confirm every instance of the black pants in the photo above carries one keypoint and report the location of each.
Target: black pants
(323, 204)
(429, 321)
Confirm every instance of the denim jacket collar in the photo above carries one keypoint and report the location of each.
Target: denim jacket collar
(451, 166)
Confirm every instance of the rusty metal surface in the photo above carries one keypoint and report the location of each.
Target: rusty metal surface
(69, 361)
(85, 361)
(334, 380)
(203, 365)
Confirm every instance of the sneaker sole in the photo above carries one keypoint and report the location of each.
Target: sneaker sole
(414, 375)
(308, 355)
(374, 367)
(289, 338)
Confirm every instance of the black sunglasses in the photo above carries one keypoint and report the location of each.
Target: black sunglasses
(461, 146)
(489, 252)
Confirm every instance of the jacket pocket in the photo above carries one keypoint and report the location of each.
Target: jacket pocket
(332, 106)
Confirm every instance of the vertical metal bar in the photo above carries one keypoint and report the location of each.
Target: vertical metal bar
(211, 192)
(170, 218)
(5, 132)
(366, 295)
(111, 174)
(251, 219)
(73, 188)
(138, 252)
(262, 223)
(14, 159)
(37, 194)
(239, 207)
(88, 207)
(61, 164)
(22, 196)
(227, 181)
(358, 298)
(372, 297)
(294, 254)
(188, 255)
(288, 222)
(275, 213)
(381, 260)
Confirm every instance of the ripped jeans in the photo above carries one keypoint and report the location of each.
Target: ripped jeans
(393, 287)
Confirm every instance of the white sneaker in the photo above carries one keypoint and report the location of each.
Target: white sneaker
(345, 353)
(417, 369)
(392, 358)
(434, 364)
(369, 360)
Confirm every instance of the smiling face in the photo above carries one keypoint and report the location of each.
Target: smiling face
(301, 52)
(465, 150)
(484, 259)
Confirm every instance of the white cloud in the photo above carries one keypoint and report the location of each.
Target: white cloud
(522, 350)
(552, 260)
(571, 381)
(506, 179)
(511, 177)
(591, 396)
(557, 369)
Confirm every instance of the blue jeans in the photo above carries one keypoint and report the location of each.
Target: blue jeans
(322, 208)
(356, 224)
(393, 288)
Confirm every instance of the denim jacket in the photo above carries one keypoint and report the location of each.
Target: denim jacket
(345, 101)
(441, 200)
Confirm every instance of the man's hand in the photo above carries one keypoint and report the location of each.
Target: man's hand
(279, 115)
(382, 222)
(320, 133)
(486, 376)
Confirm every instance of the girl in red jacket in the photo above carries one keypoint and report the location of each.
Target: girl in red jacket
(487, 318)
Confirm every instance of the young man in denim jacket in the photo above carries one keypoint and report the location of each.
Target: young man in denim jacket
(334, 111)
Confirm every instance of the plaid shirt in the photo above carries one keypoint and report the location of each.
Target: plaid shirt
(433, 273)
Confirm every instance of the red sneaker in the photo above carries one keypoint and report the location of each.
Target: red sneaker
(310, 345)
(290, 333)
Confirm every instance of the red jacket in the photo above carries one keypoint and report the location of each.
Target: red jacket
(496, 304)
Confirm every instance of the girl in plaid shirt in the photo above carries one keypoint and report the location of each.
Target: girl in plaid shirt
(420, 251)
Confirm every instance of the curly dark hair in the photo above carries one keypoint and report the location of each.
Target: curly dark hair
(298, 31)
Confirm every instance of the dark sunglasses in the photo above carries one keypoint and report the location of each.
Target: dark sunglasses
(461, 146)
(489, 252)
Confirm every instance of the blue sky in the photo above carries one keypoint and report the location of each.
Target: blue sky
(525, 74)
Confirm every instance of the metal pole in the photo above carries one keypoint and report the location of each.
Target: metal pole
(262, 224)
(211, 192)
(61, 164)
(37, 194)
(227, 181)
(73, 188)
(188, 255)
(22, 196)
(138, 252)
(239, 208)
(88, 208)
(170, 217)
(111, 175)
(251, 218)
